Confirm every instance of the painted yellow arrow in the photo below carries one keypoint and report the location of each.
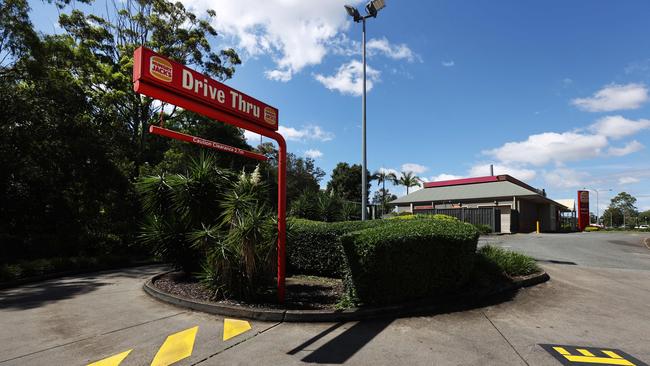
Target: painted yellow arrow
(234, 327)
(176, 347)
(113, 360)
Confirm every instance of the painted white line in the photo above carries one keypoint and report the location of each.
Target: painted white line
(647, 242)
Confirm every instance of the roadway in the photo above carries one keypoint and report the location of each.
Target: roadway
(597, 299)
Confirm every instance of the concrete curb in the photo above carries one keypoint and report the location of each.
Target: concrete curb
(426, 306)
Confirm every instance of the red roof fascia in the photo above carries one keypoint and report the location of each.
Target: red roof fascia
(457, 182)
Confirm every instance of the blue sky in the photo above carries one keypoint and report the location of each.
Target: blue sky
(554, 93)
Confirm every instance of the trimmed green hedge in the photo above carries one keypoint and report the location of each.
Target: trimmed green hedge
(314, 247)
(408, 259)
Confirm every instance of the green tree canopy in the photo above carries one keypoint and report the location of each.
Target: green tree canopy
(621, 210)
(346, 181)
(101, 56)
(302, 173)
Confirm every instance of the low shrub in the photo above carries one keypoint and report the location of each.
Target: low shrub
(592, 228)
(314, 247)
(409, 259)
(511, 263)
(483, 229)
(46, 266)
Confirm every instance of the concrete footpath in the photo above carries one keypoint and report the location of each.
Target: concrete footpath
(83, 319)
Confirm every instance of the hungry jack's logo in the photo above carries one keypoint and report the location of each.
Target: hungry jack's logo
(270, 116)
(160, 68)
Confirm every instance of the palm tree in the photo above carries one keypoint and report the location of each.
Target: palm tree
(381, 176)
(408, 179)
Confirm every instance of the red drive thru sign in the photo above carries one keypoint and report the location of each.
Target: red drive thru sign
(161, 78)
(583, 210)
(180, 79)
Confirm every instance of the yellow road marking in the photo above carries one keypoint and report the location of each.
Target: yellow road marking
(561, 351)
(113, 360)
(612, 354)
(588, 357)
(599, 360)
(176, 347)
(234, 327)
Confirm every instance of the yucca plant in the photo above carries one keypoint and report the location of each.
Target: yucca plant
(213, 224)
(249, 235)
(175, 205)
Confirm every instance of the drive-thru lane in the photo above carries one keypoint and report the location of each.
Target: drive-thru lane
(594, 303)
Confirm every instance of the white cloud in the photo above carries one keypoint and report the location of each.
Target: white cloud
(629, 148)
(614, 97)
(618, 126)
(449, 63)
(628, 180)
(414, 168)
(294, 33)
(389, 171)
(394, 51)
(313, 153)
(349, 78)
(481, 170)
(279, 75)
(546, 147)
(252, 138)
(310, 132)
(566, 178)
(445, 176)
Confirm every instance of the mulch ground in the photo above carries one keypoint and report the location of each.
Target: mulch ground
(303, 292)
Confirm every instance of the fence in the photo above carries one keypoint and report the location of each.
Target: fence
(489, 216)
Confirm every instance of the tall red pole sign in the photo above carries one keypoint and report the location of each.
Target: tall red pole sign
(583, 210)
(161, 78)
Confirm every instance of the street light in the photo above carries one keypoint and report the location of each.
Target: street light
(598, 200)
(372, 8)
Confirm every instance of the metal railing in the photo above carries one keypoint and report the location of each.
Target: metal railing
(490, 216)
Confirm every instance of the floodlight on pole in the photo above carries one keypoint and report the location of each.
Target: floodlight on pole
(353, 12)
(372, 8)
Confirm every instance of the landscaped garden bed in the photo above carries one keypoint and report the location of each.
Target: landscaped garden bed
(303, 292)
(384, 267)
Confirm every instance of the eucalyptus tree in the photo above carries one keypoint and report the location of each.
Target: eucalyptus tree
(103, 47)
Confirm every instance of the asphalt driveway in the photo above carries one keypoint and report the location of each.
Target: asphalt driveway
(597, 299)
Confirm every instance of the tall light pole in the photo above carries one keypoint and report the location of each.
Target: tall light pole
(372, 8)
(598, 200)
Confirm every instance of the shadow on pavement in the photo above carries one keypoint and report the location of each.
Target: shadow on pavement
(33, 296)
(339, 349)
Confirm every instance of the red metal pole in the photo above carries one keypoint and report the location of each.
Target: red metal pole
(282, 215)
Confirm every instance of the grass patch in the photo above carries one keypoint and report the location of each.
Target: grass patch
(511, 263)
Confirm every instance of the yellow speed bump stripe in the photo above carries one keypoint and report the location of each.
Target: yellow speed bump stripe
(113, 360)
(176, 347)
(580, 356)
(234, 327)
